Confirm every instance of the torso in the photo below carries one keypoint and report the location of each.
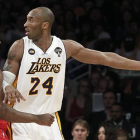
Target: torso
(41, 77)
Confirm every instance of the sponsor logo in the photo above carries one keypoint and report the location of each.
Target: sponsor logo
(31, 51)
(58, 51)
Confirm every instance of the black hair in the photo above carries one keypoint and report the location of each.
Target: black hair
(110, 131)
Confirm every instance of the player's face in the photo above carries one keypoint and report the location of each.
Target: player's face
(79, 133)
(101, 133)
(33, 25)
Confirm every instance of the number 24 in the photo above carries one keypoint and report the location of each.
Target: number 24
(48, 84)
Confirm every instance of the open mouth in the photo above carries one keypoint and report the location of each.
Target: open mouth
(27, 32)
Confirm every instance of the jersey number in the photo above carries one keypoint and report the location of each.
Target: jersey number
(47, 85)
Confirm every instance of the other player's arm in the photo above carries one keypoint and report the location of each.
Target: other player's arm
(10, 71)
(85, 55)
(11, 115)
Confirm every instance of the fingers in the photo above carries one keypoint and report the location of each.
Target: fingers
(9, 98)
(12, 95)
(45, 119)
(22, 98)
(18, 99)
(17, 96)
(52, 118)
(5, 98)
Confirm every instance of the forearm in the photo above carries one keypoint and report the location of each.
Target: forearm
(116, 61)
(105, 58)
(11, 115)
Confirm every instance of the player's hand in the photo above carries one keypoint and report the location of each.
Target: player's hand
(44, 119)
(12, 95)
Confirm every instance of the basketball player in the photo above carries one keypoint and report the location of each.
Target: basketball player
(38, 62)
(11, 115)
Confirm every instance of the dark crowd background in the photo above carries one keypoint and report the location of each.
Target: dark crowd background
(104, 25)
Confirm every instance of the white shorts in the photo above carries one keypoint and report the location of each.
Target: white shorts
(33, 131)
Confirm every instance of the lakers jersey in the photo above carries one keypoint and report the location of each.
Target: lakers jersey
(41, 77)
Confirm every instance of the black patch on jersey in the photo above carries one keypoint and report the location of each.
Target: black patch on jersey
(31, 51)
(58, 51)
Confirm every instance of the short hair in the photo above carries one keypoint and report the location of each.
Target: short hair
(46, 14)
(82, 123)
(112, 91)
(119, 104)
(121, 133)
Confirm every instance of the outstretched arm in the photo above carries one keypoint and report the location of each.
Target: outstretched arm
(78, 52)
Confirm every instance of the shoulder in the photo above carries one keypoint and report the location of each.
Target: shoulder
(17, 48)
(72, 47)
(18, 44)
(71, 43)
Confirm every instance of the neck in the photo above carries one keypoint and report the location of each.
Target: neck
(43, 43)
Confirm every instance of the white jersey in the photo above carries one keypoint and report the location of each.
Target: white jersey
(41, 77)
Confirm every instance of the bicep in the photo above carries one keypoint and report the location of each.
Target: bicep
(90, 56)
(82, 54)
(14, 57)
(11, 65)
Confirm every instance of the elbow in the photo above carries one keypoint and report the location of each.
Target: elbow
(106, 62)
(109, 59)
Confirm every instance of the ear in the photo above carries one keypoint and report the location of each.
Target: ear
(72, 133)
(45, 25)
(88, 134)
